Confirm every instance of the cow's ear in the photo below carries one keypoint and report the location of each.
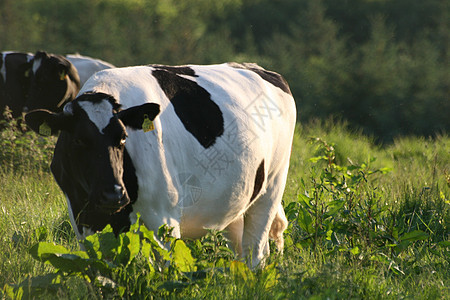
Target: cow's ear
(134, 116)
(46, 122)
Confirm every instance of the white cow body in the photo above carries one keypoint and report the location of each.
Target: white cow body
(259, 121)
(86, 66)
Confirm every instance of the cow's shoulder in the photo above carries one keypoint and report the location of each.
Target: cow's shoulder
(193, 105)
(269, 76)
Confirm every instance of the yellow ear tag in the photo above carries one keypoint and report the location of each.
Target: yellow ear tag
(62, 75)
(45, 130)
(147, 125)
(27, 73)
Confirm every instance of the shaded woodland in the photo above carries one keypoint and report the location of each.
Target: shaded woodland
(380, 65)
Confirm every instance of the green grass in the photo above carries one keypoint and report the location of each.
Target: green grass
(352, 235)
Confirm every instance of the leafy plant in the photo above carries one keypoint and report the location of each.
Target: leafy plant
(114, 266)
(134, 263)
(342, 210)
(22, 149)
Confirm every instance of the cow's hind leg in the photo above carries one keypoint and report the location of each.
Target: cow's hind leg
(257, 224)
(279, 225)
(264, 218)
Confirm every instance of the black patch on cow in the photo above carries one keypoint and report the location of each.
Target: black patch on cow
(269, 76)
(180, 70)
(200, 115)
(120, 221)
(259, 180)
(96, 97)
(129, 177)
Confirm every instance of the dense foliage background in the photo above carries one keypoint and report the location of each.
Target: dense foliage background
(380, 64)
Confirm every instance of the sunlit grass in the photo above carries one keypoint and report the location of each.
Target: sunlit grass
(413, 196)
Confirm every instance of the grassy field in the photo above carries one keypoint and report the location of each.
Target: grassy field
(365, 222)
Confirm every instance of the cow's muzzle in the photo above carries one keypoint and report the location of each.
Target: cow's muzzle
(113, 201)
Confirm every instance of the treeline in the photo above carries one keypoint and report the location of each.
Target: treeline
(382, 65)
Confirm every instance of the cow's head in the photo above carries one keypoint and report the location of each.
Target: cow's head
(88, 162)
(54, 82)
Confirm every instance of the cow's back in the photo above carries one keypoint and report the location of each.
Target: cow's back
(86, 66)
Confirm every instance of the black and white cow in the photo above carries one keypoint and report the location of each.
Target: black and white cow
(14, 81)
(215, 154)
(56, 79)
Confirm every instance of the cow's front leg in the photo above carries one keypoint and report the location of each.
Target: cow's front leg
(234, 232)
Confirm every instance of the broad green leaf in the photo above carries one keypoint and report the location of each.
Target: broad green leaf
(318, 158)
(123, 252)
(108, 244)
(182, 257)
(149, 235)
(329, 234)
(69, 263)
(60, 257)
(334, 206)
(304, 220)
(355, 250)
(270, 276)
(92, 245)
(305, 201)
(444, 243)
(42, 250)
(121, 290)
(135, 244)
(416, 235)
